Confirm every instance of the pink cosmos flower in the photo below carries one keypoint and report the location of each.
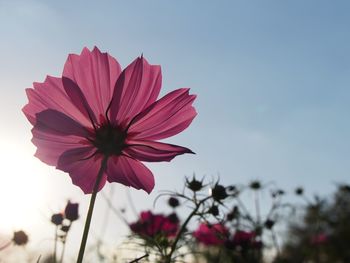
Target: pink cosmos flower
(96, 110)
(243, 237)
(246, 239)
(151, 225)
(211, 235)
(319, 239)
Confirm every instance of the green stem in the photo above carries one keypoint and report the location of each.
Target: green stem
(91, 209)
(62, 251)
(257, 207)
(138, 259)
(275, 242)
(64, 243)
(183, 228)
(55, 247)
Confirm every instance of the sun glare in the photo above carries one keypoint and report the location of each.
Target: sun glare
(21, 189)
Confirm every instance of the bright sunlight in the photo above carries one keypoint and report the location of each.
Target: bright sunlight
(21, 189)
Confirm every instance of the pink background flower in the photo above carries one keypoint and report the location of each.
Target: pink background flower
(319, 239)
(215, 234)
(150, 225)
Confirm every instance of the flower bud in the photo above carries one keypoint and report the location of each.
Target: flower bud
(65, 228)
(299, 191)
(173, 202)
(71, 211)
(57, 219)
(20, 238)
(218, 192)
(233, 214)
(214, 210)
(269, 223)
(255, 185)
(194, 185)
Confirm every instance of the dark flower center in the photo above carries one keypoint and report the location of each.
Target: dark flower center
(109, 140)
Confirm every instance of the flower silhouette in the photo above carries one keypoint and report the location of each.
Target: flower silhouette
(71, 211)
(96, 111)
(20, 238)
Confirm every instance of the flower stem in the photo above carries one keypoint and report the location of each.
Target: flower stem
(55, 246)
(138, 259)
(64, 243)
(6, 245)
(183, 228)
(91, 208)
(275, 242)
(257, 207)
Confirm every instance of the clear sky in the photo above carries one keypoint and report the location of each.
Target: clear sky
(272, 79)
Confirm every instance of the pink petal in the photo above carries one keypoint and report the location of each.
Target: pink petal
(96, 74)
(82, 167)
(78, 98)
(130, 172)
(51, 146)
(146, 215)
(52, 121)
(150, 151)
(54, 133)
(137, 87)
(164, 118)
(51, 95)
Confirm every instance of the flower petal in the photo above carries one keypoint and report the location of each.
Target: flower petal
(78, 98)
(51, 146)
(53, 121)
(150, 151)
(96, 74)
(211, 234)
(164, 118)
(51, 95)
(137, 87)
(130, 172)
(82, 167)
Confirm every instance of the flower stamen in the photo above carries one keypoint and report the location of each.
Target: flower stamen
(109, 140)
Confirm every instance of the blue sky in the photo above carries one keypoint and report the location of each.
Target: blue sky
(272, 79)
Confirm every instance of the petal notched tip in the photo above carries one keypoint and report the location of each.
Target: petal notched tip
(96, 49)
(86, 52)
(141, 61)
